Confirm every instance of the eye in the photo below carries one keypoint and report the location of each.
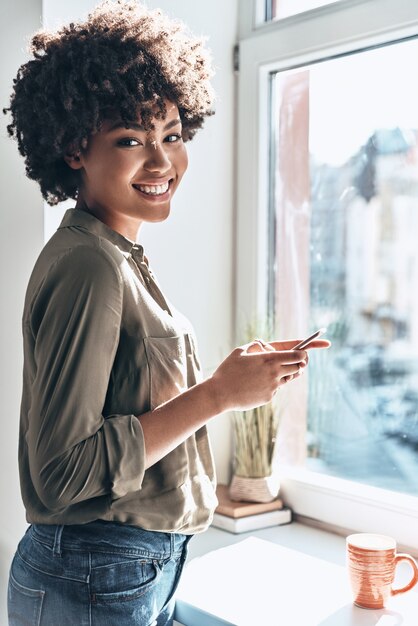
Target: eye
(173, 138)
(129, 142)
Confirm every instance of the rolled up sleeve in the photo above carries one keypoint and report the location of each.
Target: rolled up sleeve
(75, 453)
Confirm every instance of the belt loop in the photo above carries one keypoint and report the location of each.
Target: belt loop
(171, 545)
(56, 551)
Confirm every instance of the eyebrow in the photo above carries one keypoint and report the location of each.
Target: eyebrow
(136, 126)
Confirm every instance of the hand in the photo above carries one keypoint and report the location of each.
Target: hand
(286, 345)
(251, 374)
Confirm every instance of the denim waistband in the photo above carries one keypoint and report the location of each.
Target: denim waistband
(102, 536)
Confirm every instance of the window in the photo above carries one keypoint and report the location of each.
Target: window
(345, 176)
(278, 9)
(328, 205)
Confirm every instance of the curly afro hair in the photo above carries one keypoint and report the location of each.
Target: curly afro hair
(123, 61)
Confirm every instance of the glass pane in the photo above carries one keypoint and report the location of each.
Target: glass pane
(278, 9)
(345, 135)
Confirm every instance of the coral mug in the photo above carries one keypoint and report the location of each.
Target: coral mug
(372, 561)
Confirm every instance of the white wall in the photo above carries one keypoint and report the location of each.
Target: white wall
(21, 237)
(198, 234)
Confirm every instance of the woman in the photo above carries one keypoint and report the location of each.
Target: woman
(115, 465)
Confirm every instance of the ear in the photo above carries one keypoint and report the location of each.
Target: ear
(73, 160)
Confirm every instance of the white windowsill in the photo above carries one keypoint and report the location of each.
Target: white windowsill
(328, 550)
(300, 536)
(346, 506)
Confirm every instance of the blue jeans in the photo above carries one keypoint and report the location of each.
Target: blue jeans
(96, 574)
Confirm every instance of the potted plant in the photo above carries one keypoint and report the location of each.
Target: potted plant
(254, 436)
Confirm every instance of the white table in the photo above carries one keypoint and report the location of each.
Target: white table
(256, 581)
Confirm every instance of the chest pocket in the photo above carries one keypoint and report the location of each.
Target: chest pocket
(167, 362)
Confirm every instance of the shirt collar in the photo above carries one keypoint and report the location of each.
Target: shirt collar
(87, 221)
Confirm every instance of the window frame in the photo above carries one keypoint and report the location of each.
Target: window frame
(327, 32)
(252, 16)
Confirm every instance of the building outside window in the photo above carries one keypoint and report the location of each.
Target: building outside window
(331, 225)
(346, 192)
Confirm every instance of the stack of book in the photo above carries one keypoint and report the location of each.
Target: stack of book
(241, 517)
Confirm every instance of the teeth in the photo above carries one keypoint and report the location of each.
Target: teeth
(153, 189)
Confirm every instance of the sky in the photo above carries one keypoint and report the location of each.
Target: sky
(352, 96)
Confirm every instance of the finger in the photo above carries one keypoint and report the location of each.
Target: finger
(287, 357)
(288, 345)
(289, 377)
(253, 346)
(256, 346)
(265, 345)
(255, 350)
(281, 357)
(318, 343)
(290, 370)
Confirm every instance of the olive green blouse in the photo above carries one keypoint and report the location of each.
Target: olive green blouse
(101, 346)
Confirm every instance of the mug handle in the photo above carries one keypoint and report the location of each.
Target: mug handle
(414, 581)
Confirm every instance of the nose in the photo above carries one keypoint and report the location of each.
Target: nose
(157, 160)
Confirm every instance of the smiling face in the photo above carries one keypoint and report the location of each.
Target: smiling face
(129, 175)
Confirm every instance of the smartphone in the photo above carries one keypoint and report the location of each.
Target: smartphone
(307, 341)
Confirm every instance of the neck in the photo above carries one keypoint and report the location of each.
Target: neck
(127, 227)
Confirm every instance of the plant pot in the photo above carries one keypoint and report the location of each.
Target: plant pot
(244, 489)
